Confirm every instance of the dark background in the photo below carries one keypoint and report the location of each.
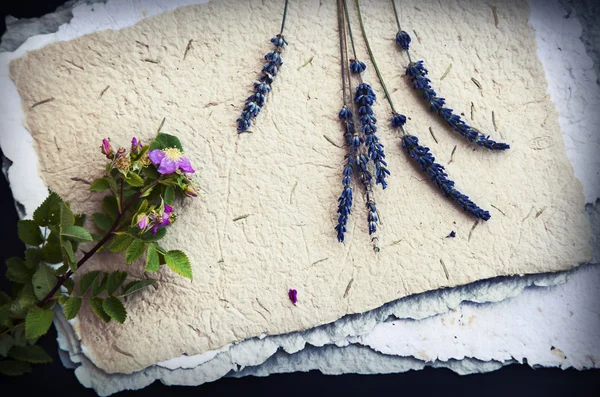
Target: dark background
(54, 379)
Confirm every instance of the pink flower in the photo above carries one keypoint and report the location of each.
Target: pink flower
(170, 160)
(136, 146)
(107, 149)
(144, 221)
(293, 295)
(165, 219)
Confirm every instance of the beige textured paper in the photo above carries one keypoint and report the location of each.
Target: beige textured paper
(286, 175)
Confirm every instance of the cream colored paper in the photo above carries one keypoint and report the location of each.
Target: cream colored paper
(286, 175)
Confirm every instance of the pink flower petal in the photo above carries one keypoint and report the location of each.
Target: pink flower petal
(185, 165)
(167, 166)
(156, 156)
(168, 209)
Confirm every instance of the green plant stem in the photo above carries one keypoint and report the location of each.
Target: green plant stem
(399, 28)
(342, 59)
(364, 34)
(349, 29)
(284, 16)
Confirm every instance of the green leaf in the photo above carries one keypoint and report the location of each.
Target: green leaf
(102, 221)
(17, 271)
(29, 232)
(86, 281)
(115, 280)
(179, 263)
(115, 309)
(165, 141)
(63, 299)
(169, 195)
(51, 253)
(96, 306)
(152, 263)
(72, 306)
(37, 323)
(44, 279)
(69, 284)
(33, 257)
(69, 255)
(5, 320)
(80, 219)
(76, 233)
(67, 218)
(136, 286)
(135, 250)
(134, 179)
(25, 299)
(109, 203)
(100, 185)
(14, 368)
(48, 213)
(4, 298)
(121, 243)
(30, 354)
(151, 237)
(99, 286)
(6, 342)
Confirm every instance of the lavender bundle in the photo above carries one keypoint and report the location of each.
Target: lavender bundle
(416, 72)
(357, 158)
(262, 87)
(421, 154)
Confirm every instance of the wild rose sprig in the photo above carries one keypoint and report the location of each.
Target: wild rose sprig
(436, 172)
(143, 182)
(262, 87)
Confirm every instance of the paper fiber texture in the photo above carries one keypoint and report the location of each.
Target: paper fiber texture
(286, 175)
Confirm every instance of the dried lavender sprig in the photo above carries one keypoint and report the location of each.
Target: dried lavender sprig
(356, 66)
(416, 72)
(262, 87)
(436, 172)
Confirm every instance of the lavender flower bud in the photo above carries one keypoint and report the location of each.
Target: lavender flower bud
(398, 120)
(357, 66)
(403, 39)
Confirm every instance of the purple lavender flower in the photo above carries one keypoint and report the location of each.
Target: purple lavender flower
(398, 120)
(364, 98)
(170, 160)
(257, 100)
(452, 234)
(293, 295)
(107, 149)
(357, 66)
(403, 39)
(416, 71)
(436, 173)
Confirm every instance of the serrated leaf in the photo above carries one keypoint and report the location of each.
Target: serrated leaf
(6, 343)
(25, 299)
(72, 306)
(136, 286)
(99, 286)
(121, 243)
(152, 263)
(30, 354)
(86, 281)
(14, 368)
(102, 221)
(179, 263)
(77, 233)
(135, 250)
(100, 185)
(109, 203)
(151, 237)
(96, 306)
(44, 279)
(63, 299)
(67, 218)
(69, 284)
(115, 309)
(165, 141)
(17, 271)
(38, 322)
(134, 179)
(5, 320)
(115, 280)
(51, 253)
(4, 298)
(48, 212)
(33, 257)
(169, 195)
(29, 232)
(69, 255)
(80, 219)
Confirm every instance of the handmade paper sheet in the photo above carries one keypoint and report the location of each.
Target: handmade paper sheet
(285, 176)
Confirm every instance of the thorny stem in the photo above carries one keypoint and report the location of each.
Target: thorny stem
(364, 34)
(89, 254)
(284, 16)
(398, 23)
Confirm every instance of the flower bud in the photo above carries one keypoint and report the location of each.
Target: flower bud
(143, 221)
(190, 191)
(136, 146)
(107, 149)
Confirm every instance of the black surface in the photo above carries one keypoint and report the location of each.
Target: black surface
(54, 379)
